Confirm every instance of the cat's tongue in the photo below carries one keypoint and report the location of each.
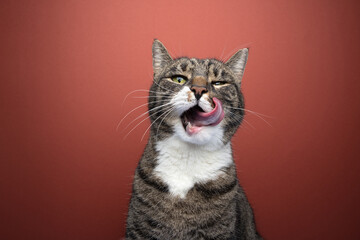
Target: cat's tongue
(210, 118)
(199, 118)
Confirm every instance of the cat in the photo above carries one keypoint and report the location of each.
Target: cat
(185, 185)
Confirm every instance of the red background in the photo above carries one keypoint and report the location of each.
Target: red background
(66, 67)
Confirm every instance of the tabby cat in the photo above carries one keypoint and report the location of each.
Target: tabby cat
(185, 185)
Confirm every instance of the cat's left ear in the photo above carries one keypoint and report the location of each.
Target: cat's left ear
(160, 55)
(237, 63)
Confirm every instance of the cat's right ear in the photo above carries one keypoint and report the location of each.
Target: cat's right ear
(237, 63)
(160, 55)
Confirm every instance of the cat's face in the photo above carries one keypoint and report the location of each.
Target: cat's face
(198, 100)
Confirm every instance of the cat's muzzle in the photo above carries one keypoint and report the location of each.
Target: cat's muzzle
(195, 118)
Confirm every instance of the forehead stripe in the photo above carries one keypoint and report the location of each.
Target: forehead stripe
(183, 66)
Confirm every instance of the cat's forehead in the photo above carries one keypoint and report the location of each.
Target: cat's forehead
(195, 66)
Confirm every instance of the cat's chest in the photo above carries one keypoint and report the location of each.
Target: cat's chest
(181, 165)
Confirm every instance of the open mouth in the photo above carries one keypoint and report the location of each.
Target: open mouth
(195, 118)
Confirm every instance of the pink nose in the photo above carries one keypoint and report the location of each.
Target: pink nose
(198, 91)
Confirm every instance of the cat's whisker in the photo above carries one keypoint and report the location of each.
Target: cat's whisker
(240, 120)
(161, 100)
(138, 90)
(153, 109)
(248, 123)
(161, 123)
(259, 115)
(171, 108)
(164, 87)
(135, 127)
(148, 117)
(169, 97)
(247, 110)
(222, 53)
(157, 101)
(142, 105)
(140, 123)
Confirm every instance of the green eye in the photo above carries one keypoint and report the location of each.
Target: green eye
(179, 80)
(218, 83)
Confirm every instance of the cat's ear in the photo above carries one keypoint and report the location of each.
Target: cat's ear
(160, 55)
(237, 63)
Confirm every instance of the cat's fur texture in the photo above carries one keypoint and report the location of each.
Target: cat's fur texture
(185, 185)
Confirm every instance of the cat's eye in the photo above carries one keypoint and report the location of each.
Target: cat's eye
(218, 83)
(179, 79)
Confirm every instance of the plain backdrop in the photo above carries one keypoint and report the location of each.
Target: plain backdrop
(66, 165)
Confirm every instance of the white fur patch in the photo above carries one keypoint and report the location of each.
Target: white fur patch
(209, 137)
(182, 102)
(205, 104)
(182, 164)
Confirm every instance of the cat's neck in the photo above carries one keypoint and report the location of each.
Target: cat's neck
(181, 165)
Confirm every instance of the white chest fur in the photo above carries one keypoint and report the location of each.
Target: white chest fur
(180, 165)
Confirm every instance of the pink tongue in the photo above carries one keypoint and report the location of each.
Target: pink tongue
(210, 118)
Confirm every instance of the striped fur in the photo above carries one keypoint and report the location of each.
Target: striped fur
(212, 205)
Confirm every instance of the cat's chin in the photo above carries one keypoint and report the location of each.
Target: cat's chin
(208, 136)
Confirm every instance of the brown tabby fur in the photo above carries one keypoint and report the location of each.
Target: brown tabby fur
(217, 209)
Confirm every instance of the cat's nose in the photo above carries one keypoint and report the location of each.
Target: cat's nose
(198, 91)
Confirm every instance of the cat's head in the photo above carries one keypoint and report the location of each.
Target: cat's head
(197, 100)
